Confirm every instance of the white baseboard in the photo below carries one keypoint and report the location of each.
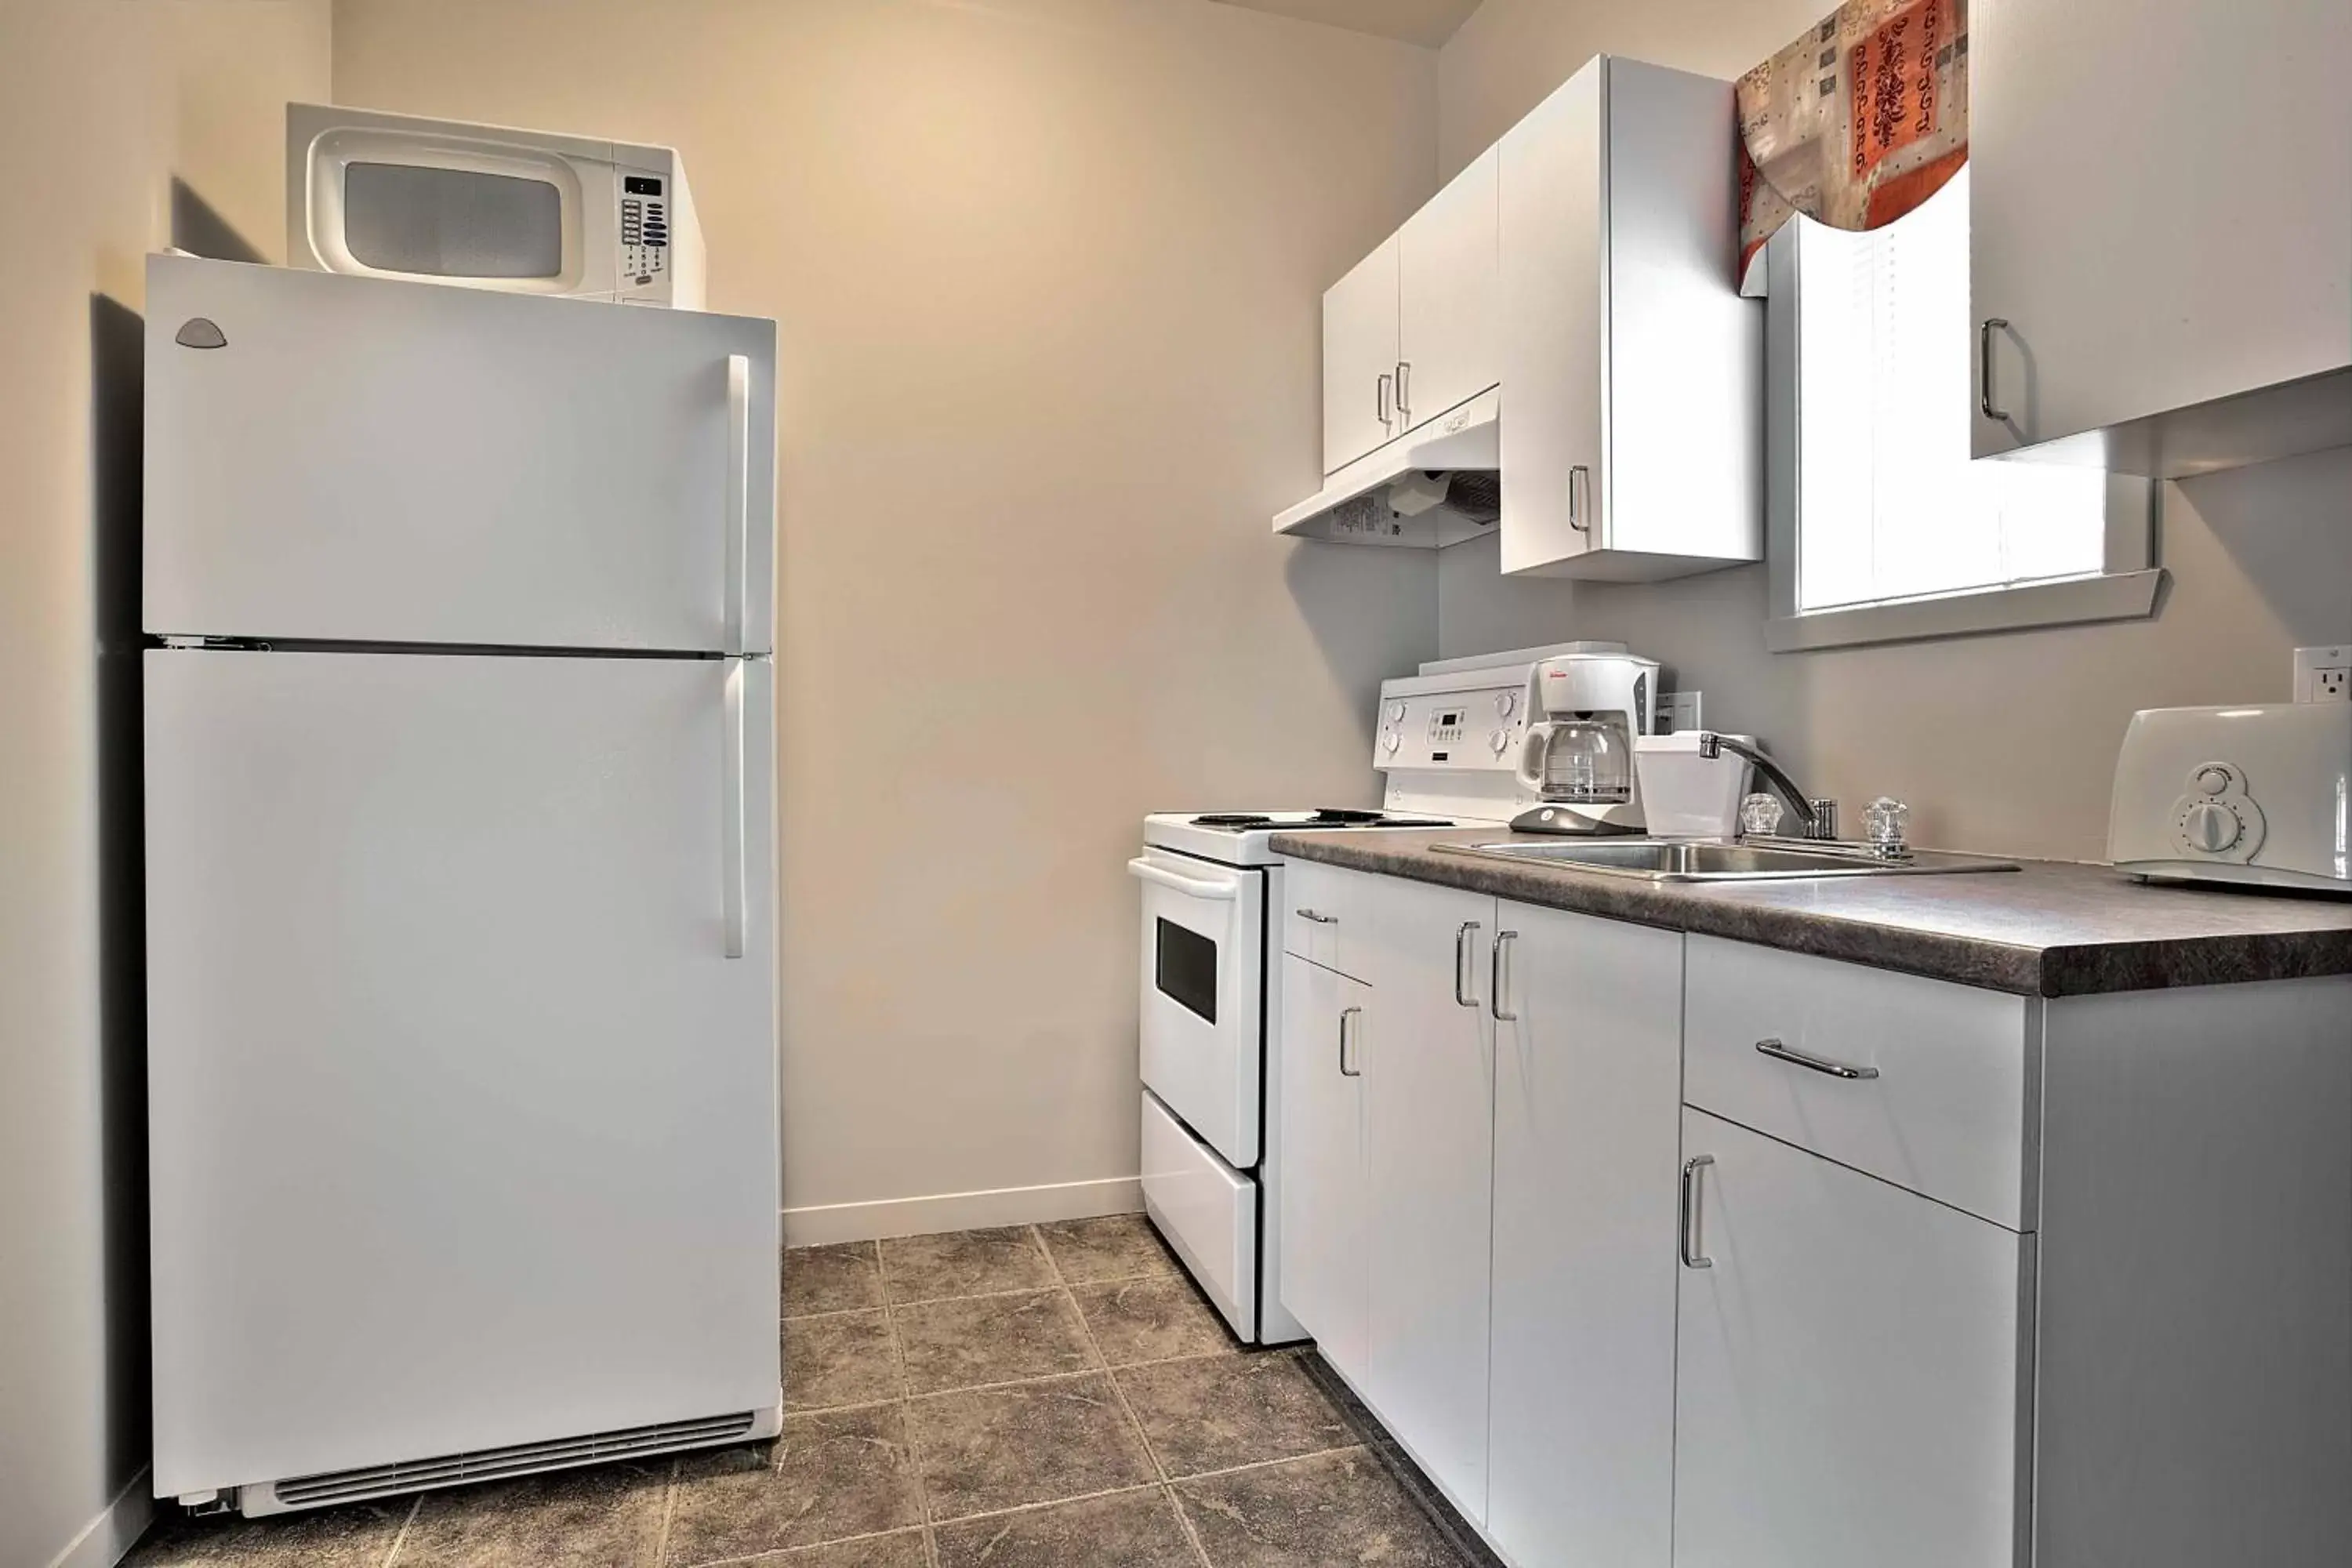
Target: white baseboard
(960, 1211)
(110, 1536)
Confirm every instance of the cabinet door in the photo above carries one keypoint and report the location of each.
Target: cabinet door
(2179, 234)
(1359, 359)
(1447, 283)
(1324, 1281)
(1587, 1127)
(1429, 1124)
(1553, 201)
(1849, 1361)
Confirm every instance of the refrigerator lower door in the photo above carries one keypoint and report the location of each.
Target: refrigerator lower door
(462, 1123)
(363, 459)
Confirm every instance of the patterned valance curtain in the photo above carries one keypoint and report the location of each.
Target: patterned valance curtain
(1854, 123)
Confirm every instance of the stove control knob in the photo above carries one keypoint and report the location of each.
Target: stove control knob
(1505, 704)
(1500, 741)
(1396, 712)
(1391, 741)
(2210, 826)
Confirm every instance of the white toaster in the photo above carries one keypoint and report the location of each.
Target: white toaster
(2256, 797)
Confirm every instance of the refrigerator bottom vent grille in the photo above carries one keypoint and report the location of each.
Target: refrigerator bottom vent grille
(492, 1464)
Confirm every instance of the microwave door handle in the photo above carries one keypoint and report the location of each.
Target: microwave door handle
(735, 852)
(1151, 871)
(739, 501)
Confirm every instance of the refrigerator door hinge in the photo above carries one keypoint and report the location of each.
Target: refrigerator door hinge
(212, 1500)
(247, 645)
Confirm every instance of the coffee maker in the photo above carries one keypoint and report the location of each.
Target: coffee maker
(1578, 759)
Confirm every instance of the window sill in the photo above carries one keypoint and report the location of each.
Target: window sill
(2118, 596)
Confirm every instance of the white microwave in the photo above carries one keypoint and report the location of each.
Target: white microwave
(529, 212)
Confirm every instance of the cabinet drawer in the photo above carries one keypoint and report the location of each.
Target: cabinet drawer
(1943, 1090)
(1325, 915)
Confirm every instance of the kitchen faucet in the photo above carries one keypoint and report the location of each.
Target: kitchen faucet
(1819, 817)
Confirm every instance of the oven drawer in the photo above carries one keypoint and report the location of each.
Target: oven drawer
(1943, 1097)
(1324, 915)
(1207, 1211)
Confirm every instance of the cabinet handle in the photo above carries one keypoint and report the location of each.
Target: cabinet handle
(1345, 1070)
(1686, 1243)
(1461, 963)
(1499, 982)
(1984, 369)
(1320, 919)
(1784, 1053)
(1380, 399)
(1577, 517)
(1404, 392)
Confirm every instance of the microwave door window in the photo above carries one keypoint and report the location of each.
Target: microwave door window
(1186, 968)
(451, 222)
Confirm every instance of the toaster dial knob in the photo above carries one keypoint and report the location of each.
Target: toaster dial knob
(2212, 826)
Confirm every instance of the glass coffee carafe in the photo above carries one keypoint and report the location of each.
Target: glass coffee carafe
(1585, 759)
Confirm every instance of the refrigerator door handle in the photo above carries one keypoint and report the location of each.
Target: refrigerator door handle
(735, 852)
(739, 501)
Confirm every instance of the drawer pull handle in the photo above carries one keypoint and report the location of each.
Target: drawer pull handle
(1779, 1052)
(1318, 919)
(1687, 1242)
(1346, 1016)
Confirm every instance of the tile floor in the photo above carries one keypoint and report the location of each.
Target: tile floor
(1041, 1396)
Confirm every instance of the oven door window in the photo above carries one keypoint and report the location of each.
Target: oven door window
(1186, 968)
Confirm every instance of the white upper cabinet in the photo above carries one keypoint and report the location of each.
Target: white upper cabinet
(1446, 286)
(1410, 332)
(2161, 216)
(1632, 370)
(1359, 359)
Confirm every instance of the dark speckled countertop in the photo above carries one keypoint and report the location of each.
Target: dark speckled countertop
(2051, 928)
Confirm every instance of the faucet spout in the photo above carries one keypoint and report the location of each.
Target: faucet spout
(1819, 819)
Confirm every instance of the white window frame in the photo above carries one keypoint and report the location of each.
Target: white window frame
(2127, 587)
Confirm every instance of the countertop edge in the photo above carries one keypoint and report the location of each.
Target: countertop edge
(2047, 971)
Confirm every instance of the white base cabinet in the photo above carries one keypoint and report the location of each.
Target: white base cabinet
(1666, 1252)
(1325, 1281)
(1851, 1358)
(1587, 1090)
(1429, 1154)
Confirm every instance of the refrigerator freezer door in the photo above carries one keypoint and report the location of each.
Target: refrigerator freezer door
(463, 1125)
(367, 460)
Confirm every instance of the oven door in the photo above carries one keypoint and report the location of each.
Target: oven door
(1203, 974)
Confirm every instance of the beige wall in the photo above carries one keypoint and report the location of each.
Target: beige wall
(1046, 274)
(103, 105)
(2003, 743)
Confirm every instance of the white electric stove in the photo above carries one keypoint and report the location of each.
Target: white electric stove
(1445, 741)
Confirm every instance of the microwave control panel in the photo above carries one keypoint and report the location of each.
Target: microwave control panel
(645, 229)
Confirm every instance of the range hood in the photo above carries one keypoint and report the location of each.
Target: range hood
(1438, 486)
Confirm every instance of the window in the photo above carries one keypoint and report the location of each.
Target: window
(1883, 527)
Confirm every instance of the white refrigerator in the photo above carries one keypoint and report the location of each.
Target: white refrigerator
(461, 892)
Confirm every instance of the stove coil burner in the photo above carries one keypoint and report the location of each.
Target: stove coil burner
(1232, 819)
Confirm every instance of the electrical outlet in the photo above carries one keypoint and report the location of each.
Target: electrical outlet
(1682, 714)
(2323, 675)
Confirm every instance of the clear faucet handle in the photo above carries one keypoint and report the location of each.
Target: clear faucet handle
(1886, 823)
(1759, 815)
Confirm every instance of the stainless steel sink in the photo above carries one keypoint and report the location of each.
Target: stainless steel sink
(1722, 860)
